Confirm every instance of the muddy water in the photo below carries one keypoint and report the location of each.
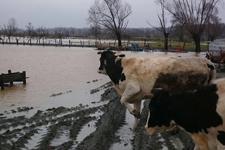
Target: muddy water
(57, 76)
(67, 77)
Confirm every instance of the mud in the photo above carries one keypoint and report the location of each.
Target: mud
(105, 86)
(142, 141)
(60, 93)
(17, 131)
(109, 123)
(66, 124)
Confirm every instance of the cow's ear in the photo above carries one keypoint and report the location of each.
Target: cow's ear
(99, 53)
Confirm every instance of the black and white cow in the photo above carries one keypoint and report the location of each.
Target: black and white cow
(135, 77)
(200, 112)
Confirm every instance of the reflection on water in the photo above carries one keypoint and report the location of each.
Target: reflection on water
(50, 70)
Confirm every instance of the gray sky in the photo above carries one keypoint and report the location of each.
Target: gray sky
(73, 13)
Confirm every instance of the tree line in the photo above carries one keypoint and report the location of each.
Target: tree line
(193, 18)
(11, 29)
(181, 20)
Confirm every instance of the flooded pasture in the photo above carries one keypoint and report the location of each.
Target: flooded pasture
(59, 85)
(56, 76)
(66, 104)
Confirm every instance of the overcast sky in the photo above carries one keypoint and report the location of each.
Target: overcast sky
(73, 13)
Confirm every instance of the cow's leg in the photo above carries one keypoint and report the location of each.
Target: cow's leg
(201, 141)
(146, 125)
(212, 139)
(212, 144)
(131, 90)
(137, 113)
(137, 109)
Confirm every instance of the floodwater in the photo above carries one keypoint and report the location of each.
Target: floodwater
(57, 76)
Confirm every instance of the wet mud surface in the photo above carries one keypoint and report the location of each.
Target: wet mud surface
(173, 140)
(84, 128)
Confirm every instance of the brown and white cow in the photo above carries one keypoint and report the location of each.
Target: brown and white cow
(201, 112)
(134, 78)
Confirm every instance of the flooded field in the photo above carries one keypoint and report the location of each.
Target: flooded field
(56, 76)
(61, 83)
(66, 104)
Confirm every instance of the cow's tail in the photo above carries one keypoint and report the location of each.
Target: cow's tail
(212, 72)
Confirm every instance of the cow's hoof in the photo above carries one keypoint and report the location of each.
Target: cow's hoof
(136, 114)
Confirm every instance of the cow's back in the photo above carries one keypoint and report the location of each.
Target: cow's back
(170, 73)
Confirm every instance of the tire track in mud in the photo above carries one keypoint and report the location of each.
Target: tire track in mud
(103, 138)
(18, 132)
(110, 122)
(45, 126)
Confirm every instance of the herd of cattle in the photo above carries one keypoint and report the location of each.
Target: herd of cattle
(182, 90)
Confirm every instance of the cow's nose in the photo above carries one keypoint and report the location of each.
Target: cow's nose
(100, 71)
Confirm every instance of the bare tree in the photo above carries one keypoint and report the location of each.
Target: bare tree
(42, 33)
(10, 29)
(30, 31)
(59, 33)
(96, 31)
(112, 15)
(164, 28)
(214, 26)
(1, 32)
(193, 14)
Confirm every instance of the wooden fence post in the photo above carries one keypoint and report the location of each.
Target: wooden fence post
(24, 77)
(1, 83)
(11, 82)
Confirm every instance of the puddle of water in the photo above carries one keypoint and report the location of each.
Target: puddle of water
(162, 141)
(126, 135)
(89, 127)
(164, 147)
(62, 138)
(97, 114)
(86, 130)
(36, 138)
(27, 114)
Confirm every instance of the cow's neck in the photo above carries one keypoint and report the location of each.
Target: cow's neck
(114, 70)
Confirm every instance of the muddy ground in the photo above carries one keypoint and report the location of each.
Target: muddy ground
(99, 127)
(61, 128)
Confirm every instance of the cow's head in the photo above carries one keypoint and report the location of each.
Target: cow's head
(107, 59)
(159, 119)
